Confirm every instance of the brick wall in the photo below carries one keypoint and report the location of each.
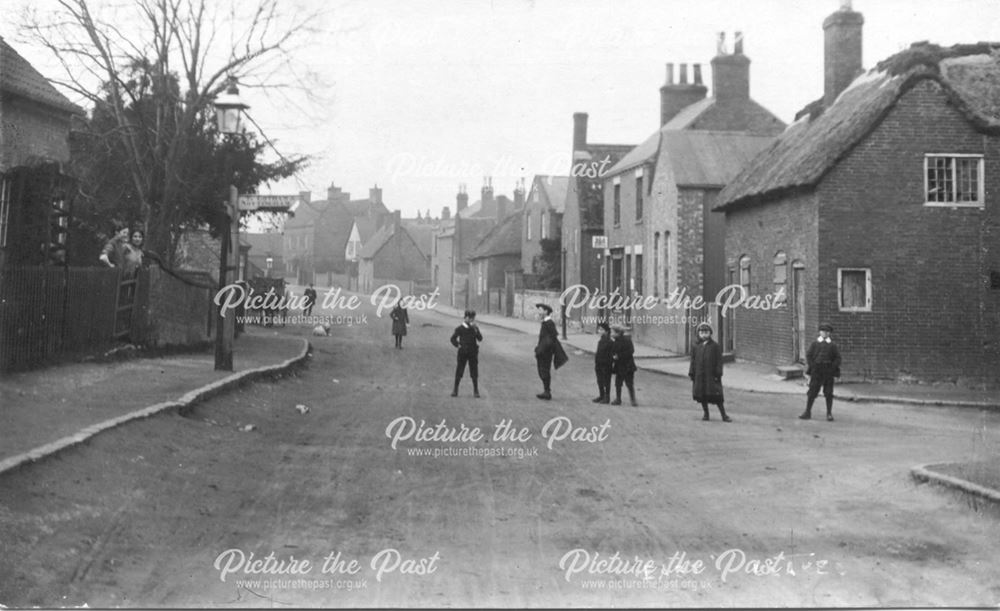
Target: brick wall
(760, 232)
(931, 308)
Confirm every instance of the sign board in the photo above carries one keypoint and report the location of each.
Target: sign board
(599, 241)
(267, 203)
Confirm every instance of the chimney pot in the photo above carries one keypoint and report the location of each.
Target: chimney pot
(684, 74)
(720, 46)
(445, 213)
(697, 74)
(738, 43)
(670, 74)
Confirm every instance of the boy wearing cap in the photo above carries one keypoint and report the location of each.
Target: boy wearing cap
(545, 350)
(622, 351)
(603, 363)
(706, 372)
(466, 338)
(823, 365)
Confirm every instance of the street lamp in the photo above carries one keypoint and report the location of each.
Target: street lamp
(229, 110)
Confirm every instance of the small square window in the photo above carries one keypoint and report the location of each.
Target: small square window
(854, 290)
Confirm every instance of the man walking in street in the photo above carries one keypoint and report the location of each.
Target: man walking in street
(823, 365)
(622, 355)
(547, 350)
(310, 300)
(603, 363)
(466, 338)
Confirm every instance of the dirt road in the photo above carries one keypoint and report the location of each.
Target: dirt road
(588, 505)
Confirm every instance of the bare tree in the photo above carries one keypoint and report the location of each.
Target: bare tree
(184, 50)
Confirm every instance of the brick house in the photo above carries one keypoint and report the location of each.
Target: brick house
(317, 236)
(496, 254)
(35, 122)
(877, 211)
(583, 214)
(457, 236)
(662, 235)
(392, 254)
(543, 212)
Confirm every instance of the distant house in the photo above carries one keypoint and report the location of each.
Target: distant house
(317, 236)
(35, 192)
(583, 216)
(392, 254)
(543, 213)
(662, 236)
(362, 230)
(498, 253)
(264, 256)
(456, 237)
(878, 211)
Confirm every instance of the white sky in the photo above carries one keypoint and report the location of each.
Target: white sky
(422, 96)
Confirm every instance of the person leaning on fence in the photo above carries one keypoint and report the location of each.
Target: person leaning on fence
(706, 372)
(823, 365)
(603, 363)
(466, 338)
(113, 253)
(133, 253)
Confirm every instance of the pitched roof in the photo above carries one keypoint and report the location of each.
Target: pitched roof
(812, 146)
(554, 190)
(19, 77)
(366, 227)
(422, 234)
(503, 239)
(375, 244)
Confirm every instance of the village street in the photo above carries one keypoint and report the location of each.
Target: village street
(649, 506)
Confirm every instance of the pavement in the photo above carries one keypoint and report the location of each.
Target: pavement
(46, 410)
(754, 377)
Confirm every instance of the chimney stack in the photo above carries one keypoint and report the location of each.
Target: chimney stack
(375, 195)
(332, 192)
(519, 194)
(841, 51)
(462, 200)
(396, 219)
(486, 197)
(445, 213)
(731, 73)
(579, 131)
(675, 97)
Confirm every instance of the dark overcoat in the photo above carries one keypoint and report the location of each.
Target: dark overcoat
(706, 372)
(623, 351)
(399, 320)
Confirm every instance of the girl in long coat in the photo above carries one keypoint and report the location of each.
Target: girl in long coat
(399, 321)
(706, 372)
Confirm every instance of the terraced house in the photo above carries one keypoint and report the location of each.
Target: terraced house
(878, 211)
(662, 237)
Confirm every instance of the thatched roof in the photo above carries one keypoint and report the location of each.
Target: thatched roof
(819, 139)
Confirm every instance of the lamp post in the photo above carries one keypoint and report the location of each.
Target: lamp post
(229, 116)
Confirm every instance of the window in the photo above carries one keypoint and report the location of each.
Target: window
(666, 263)
(745, 273)
(656, 264)
(534, 196)
(5, 185)
(545, 225)
(638, 195)
(638, 274)
(527, 213)
(618, 204)
(854, 290)
(953, 180)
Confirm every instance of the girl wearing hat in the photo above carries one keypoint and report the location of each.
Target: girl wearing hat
(706, 372)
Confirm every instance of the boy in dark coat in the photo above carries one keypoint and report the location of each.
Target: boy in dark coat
(466, 338)
(603, 363)
(309, 301)
(545, 350)
(823, 365)
(622, 351)
(706, 372)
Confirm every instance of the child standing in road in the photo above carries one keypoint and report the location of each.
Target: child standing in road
(706, 372)
(466, 338)
(603, 363)
(622, 351)
(823, 365)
